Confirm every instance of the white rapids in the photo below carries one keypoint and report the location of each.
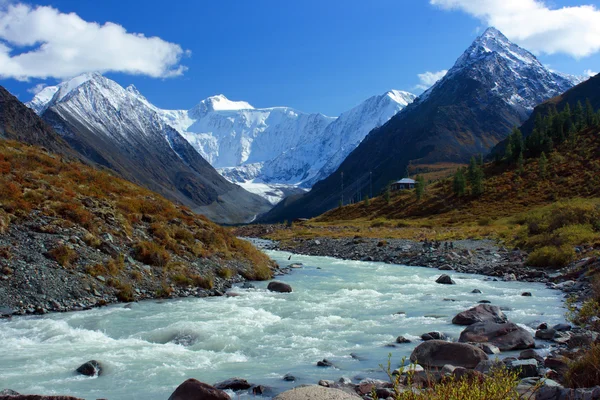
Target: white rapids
(337, 308)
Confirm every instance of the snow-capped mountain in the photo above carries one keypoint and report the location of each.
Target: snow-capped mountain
(118, 128)
(512, 72)
(274, 151)
(493, 86)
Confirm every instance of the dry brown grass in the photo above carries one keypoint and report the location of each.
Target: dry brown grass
(63, 255)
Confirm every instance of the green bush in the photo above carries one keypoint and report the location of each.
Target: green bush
(551, 257)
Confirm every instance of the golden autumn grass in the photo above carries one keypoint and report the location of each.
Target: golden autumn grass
(33, 180)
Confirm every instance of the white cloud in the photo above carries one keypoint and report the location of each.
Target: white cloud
(42, 42)
(37, 88)
(534, 25)
(589, 72)
(428, 79)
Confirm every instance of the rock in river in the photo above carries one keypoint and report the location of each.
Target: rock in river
(445, 280)
(90, 368)
(193, 389)
(480, 313)
(234, 384)
(316, 393)
(506, 337)
(437, 353)
(280, 287)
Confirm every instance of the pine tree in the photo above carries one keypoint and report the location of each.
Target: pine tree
(590, 115)
(578, 116)
(472, 169)
(459, 184)
(387, 195)
(480, 161)
(367, 203)
(520, 164)
(419, 187)
(508, 153)
(516, 139)
(543, 165)
(477, 183)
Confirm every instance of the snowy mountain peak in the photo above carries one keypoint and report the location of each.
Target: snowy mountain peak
(493, 43)
(401, 97)
(218, 103)
(133, 90)
(51, 95)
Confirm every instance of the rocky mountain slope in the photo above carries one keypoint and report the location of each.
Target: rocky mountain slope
(492, 87)
(119, 129)
(72, 237)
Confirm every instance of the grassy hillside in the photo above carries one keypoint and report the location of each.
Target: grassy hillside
(92, 223)
(547, 210)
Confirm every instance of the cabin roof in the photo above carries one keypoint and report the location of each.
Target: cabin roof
(406, 180)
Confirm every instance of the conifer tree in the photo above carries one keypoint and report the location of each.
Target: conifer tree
(419, 187)
(590, 115)
(367, 202)
(387, 195)
(459, 184)
(578, 116)
(520, 164)
(477, 183)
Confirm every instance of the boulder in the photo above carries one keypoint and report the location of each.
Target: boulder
(402, 339)
(480, 313)
(475, 291)
(526, 294)
(445, 280)
(324, 363)
(531, 354)
(234, 384)
(524, 368)
(486, 366)
(35, 397)
(433, 336)
(562, 327)
(193, 389)
(90, 368)
(289, 378)
(437, 353)
(487, 348)
(279, 287)
(316, 393)
(506, 337)
(545, 334)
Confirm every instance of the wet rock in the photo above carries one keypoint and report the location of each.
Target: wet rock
(445, 280)
(526, 294)
(235, 384)
(289, 378)
(324, 363)
(484, 302)
(506, 337)
(357, 357)
(402, 339)
(562, 327)
(90, 368)
(480, 313)
(193, 389)
(433, 336)
(8, 392)
(558, 363)
(545, 334)
(316, 393)
(279, 287)
(248, 285)
(260, 390)
(531, 354)
(437, 353)
(475, 291)
(487, 348)
(326, 383)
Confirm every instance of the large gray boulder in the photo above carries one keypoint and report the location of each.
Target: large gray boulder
(316, 393)
(279, 287)
(235, 384)
(506, 337)
(193, 389)
(480, 313)
(437, 353)
(90, 368)
(445, 280)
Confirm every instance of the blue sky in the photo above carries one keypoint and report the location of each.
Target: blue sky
(316, 56)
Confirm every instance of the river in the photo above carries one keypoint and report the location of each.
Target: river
(337, 308)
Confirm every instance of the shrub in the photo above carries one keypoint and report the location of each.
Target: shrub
(63, 255)
(184, 235)
(124, 291)
(91, 240)
(585, 371)
(135, 275)
(203, 282)
(551, 257)
(151, 253)
(225, 272)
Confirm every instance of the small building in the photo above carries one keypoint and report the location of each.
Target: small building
(403, 184)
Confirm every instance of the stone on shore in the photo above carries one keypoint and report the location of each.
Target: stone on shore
(279, 287)
(193, 389)
(316, 393)
(480, 313)
(506, 337)
(35, 397)
(437, 353)
(445, 280)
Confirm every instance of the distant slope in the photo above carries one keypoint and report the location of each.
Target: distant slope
(120, 130)
(492, 87)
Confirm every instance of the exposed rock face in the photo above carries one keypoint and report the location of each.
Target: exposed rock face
(480, 313)
(507, 336)
(315, 393)
(279, 287)
(437, 353)
(193, 389)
